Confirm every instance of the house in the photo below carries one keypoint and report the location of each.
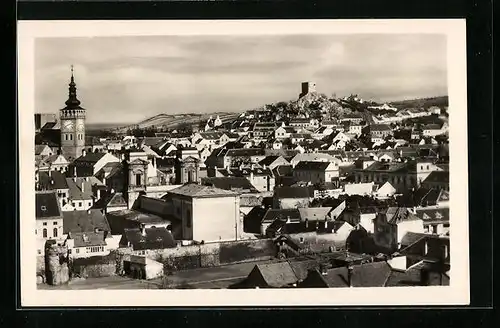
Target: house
(90, 163)
(391, 226)
(264, 129)
(87, 244)
(111, 202)
(361, 189)
(272, 162)
(82, 194)
(437, 180)
(316, 172)
(271, 215)
(271, 275)
(312, 157)
(192, 208)
(85, 221)
(144, 241)
(291, 197)
(322, 131)
(43, 151)
(300, 122)
(378, 131)
(354, 117)
(435, 221)
(283, 132)
(56, 181)
(432, 130)
(232, 183)
(401, 175)
(146, 215)
(57, 162)
(424, 197)
(385, 191)
(49, 218)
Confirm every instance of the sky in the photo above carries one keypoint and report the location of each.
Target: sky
(128, 79)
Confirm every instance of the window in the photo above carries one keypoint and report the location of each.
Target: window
(39, 252)
(79, 204)
(73, 204)
(446, 225)
(427, 166)
(44, 208)
(55, 222)
(69, 251)
(35, 231)
(90, 203)
(137, 179)
(54, 232)
(77, 250)
(44, 233)
(45, 223)
(301, 239)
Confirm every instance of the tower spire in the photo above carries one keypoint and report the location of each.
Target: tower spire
(72, 102)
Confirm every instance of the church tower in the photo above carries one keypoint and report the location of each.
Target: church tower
(72, 124)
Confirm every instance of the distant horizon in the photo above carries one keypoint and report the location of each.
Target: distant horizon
(135, 78)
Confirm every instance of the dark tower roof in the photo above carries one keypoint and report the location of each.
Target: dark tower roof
(72, 102)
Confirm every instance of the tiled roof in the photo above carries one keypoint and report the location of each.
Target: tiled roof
(46, 205)
(273, 214)
(292, 192)
(269, 160)
(154, 238)
(245, 152)
(90, 157)
(434, 215)
(83, 221)
(87, 239)
(40, 148)
(237, 184)
(196, 190)
(277, 275)
(312, 166)
(314, 213)
(283, 170)
(410, 238)
(56, 180)
(380, 127)
(396, 215)
(438, 176)
(75, 188)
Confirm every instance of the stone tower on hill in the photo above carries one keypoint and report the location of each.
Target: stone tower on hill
(307, 87)
(72, 124)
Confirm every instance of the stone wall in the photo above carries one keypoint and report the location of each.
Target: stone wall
(40, 269)
(94, 267)
(56, 264)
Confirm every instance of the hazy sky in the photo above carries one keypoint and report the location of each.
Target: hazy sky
(127, 79)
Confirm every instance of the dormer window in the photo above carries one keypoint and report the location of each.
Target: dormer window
(44, 208)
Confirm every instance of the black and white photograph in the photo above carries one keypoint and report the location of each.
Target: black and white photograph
(243, 162)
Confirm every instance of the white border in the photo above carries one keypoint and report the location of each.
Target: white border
(455, 294)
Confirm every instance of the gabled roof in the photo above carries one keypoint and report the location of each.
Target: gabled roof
(397, 215)
(84, 221)
(90, 157)
(438, 177)
(40, 148)
(237, 184)
(312, 166)
(292, 192)
(53, 180)
(88, 239)
(269, 160)
(153, 238)
(434, 215)
(75, 188)
(276, 275)
(273, 214)
(47, 206)
(283, 170)
(196, 190)
(314, 213)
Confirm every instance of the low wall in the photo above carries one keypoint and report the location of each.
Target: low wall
(214, 254)
(94, 267)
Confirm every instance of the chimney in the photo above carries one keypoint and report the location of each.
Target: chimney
(288, 219)
(84, 152)
(307, 223)
(69, 235)
(143, 229)
(88, 211)
(83, 186)
(326, 223)
(85, 238)
(349, 274)
(96, 230)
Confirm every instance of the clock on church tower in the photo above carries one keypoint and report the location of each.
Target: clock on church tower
(72, 124)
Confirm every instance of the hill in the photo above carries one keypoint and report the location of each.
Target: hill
(171, 121)
(421, 103)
